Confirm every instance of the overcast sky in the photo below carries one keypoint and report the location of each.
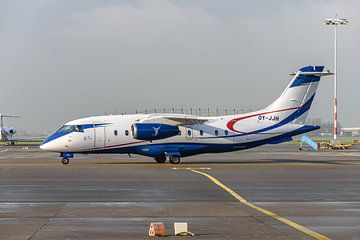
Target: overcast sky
(64, 59)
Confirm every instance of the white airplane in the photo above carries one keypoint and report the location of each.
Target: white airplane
(6, 132)
(171, 136)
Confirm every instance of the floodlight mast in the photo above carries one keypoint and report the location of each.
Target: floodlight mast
(335, 22)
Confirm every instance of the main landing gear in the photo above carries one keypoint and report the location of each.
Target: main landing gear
(160, 159)
(174, 159)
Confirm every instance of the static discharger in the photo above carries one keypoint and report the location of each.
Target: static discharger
(157, 229)
(181, 229)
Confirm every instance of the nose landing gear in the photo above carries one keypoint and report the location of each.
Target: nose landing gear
(65, 161)
(66, 157)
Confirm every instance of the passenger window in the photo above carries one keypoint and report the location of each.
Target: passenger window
(127, 132)
(201, 132)
(189, 132)
(115, 132)
(226, 132)
(216, 132)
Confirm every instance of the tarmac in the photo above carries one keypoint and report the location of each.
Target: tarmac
(270, 192)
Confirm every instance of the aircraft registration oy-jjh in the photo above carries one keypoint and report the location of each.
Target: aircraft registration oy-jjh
(172, 136)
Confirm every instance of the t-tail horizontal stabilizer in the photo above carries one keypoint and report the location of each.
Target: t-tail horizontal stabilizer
(295, 102)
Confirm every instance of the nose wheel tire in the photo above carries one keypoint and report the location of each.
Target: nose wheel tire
(174, 159)
(65, 161)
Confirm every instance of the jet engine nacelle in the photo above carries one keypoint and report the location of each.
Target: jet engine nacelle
(153, 131)
(9, 131)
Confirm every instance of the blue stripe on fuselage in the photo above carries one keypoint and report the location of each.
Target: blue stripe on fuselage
(54, 136)
(189, 149)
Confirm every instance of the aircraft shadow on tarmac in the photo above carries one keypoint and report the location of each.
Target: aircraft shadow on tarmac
(271, 161)
(247, 162)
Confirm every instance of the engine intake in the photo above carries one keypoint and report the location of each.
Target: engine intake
(9, 131)
(153, 131)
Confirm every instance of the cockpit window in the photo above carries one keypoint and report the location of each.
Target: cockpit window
(79, 128)
(71, 128)
(65, 128)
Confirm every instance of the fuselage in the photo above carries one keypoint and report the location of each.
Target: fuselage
(114, 134)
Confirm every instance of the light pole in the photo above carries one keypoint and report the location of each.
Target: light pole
(335, 22)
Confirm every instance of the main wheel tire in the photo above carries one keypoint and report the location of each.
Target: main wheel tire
(65, 161)
(175, 160)
(160, 159)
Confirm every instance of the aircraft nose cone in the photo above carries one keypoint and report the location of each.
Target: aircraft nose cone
(43, 146)
(52, 144)
(46, 144)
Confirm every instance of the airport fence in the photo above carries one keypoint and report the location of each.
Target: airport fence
(192, 111)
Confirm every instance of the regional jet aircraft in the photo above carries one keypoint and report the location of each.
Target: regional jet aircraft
(172, 136)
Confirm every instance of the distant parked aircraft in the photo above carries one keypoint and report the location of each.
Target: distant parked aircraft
(7, 132)
(171, 136)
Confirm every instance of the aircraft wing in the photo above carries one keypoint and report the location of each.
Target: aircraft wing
(174, 119)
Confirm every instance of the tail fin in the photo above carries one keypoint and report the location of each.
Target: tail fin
(295, 102)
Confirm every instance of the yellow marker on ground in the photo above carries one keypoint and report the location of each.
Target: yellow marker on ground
(189, 168)
(262, 210)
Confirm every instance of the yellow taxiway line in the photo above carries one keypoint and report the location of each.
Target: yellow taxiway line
(189, 168)
(260, 209)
